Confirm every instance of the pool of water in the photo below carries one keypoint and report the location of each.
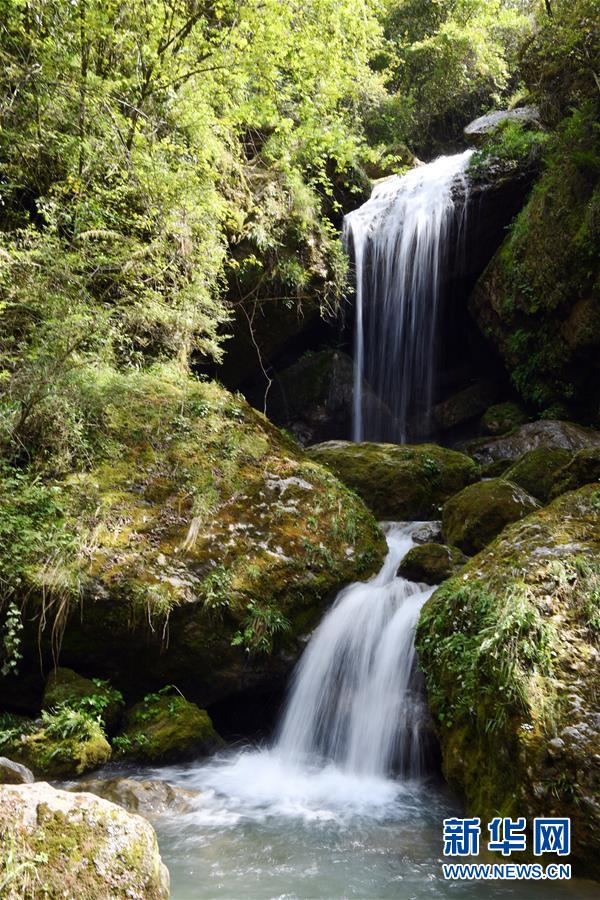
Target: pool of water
(261, 829)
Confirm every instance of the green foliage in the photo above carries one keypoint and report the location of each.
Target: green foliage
(259, 629)
(513, 145)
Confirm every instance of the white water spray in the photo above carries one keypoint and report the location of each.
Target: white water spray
(400, 242)
(355, 699)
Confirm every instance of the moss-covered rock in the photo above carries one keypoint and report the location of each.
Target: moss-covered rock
(431, 563)
(537, 301)
(66, 687)
(472, 518)
(503, 417)
(211, 545)
(166, 727)
(398, 482)
(496, 468)
(536, 471)
(583, 468)
(551, 434)
(509, 649)
(75, 845)
(63, 743)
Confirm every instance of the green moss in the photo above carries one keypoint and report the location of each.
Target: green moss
(431, 563)
(536, 471)
(65, 687)
(63, 743)
(508, 648)
(503, 417)
(166, 727)
(398, 482)
(583, 468)
(473, 517)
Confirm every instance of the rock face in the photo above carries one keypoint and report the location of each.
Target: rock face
(536, 471)
(509, 649)
(431, 563)
(554, 435)
(479, 129)
(537, 301)
(76, 845)
(166, 728)
(217, 544)
(472, 518)
(14, 773)
(398, 482)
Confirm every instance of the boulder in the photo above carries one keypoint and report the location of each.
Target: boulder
(509, 648)
(464, 405)
(61, 744)
(431, 563)
(496, 468)
(151, 799)
(536, 471)
(480, 129)
(502, 417)
(428, 533)
(554, 435)
(166, 727)
(14, 773)
(64, 686)
(217, 545)
(583, 468)
(399, 482)
(473, 517)
(76, 845)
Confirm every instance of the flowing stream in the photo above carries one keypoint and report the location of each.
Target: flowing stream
(340, 805)
(399, 241)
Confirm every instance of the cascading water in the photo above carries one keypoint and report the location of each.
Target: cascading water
(354, 698)
(399, 240)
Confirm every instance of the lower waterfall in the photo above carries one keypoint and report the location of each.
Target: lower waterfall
(403, 240)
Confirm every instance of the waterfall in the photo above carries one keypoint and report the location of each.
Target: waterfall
(399, 240)
(355, 698)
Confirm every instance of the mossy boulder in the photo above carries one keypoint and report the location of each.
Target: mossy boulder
(75, 845)
(473, 517)
(66, 687)
(536, 471)
(431, 563)
(503, 417)
(212, 545)
(496, 468)
(583, 468)
(398, 482)
(166, 727)
(550, 434)
(509, 648)
(61, 744)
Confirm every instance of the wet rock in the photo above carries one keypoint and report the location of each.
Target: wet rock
(398, 482)
(76, 845)
(473, 517)
(511, 661)
(554, 435)
(150, 799)
(503, 417)
(536, 470)
(479, 129)
(431, 563)
(427, 533)
(166, 728)
(14, 773)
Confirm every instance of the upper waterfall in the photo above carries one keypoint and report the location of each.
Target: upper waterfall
(399, 240)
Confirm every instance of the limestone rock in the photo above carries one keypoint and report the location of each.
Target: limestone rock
(549, 433)
(77, 845)
(479, 129)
